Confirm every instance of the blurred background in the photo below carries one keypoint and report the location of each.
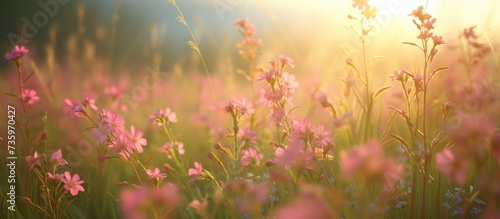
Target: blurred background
(143, 33)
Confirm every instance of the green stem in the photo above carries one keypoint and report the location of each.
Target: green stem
(195, 42)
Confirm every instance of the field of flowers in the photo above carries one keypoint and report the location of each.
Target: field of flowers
(261, 137)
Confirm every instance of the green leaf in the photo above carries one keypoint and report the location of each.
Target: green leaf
(29, 76)
(380, 90)
(411, 44)
(439, 69)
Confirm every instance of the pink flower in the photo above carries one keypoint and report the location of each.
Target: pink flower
(247, 135)
(437, 40)
(137, 139)
(393, 172)
(121, 143)
(269, 96)
(429, 24)
(398, 75)
(251, 155)
(72, 184)
(57, 159)
(452, 168)
(90, 100)
(156, 174)
(244, 107)
(322, 136)
(200, 206)
(368, 161)
(168, 147)
(32, 160)
(277, 114)
(55, 176)
(29, 96)
(195, 172)
(114, 120)
(248, 28)
(285, 157)
(285, 60)
(131, 200)
(417, 12)
(101, 132)
(288, 82)
(72, 107)
(267, 75)
(163, 117)
(168, 195)
(16, 53)
(242, 23)
(424, 35)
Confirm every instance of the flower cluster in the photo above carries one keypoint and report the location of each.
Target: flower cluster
(425, 24)
(249, 44)
(281, 85)
(368, 161)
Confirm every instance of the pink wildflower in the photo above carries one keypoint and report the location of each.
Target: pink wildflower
(285, 60)
(163, 117)
(16, 53)
(101, 132)
(322, 136)
(55, 176)
(277, 114)
(267, 75)
(424, 35)
(72, 184)
(114, 120)
(90, 100)
(132, 200)
(29, 96)
(247, 135)
(368, 161)
(156, 174)
(437, 40)
(429, 24)
(72, 107)
(398, 75)
(137, 140)
(168, 148)
(269, 96)
(32, 160)
(251, 155)
(288, 82)
(57, 159)
(120, 143)
(244, 107)
(451, 167)
(195, 172)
